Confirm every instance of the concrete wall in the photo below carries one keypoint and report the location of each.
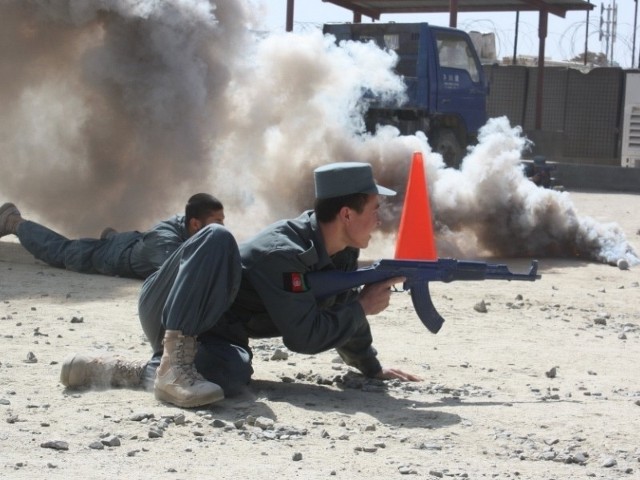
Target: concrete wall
(600, 178)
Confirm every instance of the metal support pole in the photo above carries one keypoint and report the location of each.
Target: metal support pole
(586, 38)
(515, 40)
(614, 27)
(635, 26)
(542, 35)
(453, 13)
(289, 26)
(608, 35)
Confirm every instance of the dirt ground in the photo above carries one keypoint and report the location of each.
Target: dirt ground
(543, 385)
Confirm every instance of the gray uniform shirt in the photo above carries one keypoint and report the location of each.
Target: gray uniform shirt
(271, 301)
(157, 244)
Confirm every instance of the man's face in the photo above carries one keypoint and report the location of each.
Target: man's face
(360, 225)
(214, 216)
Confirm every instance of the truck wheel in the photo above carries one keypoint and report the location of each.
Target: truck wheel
(446, 144)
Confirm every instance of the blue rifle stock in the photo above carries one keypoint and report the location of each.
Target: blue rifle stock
(418, 275)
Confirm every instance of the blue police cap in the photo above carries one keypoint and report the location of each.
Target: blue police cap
(346, 178)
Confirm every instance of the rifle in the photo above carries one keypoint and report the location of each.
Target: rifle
(324, 284)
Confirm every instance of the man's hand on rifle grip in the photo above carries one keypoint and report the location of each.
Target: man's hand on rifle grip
(375, 297)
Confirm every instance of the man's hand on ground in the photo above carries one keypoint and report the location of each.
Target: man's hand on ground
(396, 373)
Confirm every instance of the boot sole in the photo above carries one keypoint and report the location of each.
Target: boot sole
(4, 208)
(189, 403)
(65, 373)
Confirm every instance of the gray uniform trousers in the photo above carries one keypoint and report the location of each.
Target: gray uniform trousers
(86, 255)
(191, 292)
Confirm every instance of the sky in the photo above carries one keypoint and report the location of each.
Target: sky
(565, 39)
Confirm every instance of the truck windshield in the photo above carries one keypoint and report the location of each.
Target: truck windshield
(455, 52)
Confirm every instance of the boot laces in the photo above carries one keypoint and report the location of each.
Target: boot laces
(186, 356)
(130, 370)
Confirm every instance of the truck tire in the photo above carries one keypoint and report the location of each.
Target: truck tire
(446, 144)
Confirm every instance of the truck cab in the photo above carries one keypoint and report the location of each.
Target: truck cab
(446, 86)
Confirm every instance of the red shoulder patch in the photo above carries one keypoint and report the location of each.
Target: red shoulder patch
(294, 282)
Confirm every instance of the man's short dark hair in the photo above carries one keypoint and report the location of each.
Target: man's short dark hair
(327, 208)
(200, 206)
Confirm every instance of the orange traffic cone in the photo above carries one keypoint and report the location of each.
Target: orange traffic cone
(415, 235)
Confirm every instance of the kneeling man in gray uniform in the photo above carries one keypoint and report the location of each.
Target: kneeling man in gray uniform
(210, 297)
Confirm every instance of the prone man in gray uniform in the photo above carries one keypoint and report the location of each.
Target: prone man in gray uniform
(212, 291)
(126, 254)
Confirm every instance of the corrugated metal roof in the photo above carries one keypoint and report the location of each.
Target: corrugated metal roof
(375, 8)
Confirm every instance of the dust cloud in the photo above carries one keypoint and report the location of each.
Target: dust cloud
(113, 113)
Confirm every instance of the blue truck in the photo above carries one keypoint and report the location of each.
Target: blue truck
(446, 86)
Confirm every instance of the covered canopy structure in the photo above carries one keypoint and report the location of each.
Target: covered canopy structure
(374, 9)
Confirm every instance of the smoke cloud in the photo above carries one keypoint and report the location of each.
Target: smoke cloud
(490, 207)
(114, 113)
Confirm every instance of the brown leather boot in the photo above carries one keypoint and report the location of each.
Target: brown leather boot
(101, 371)
(9, 219)
(177, 380)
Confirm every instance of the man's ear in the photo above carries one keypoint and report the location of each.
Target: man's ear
(345, 215)
(194, 226)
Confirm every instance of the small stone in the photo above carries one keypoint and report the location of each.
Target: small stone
(406, 470)
(580, 458)
(97, 445)
(551, 373)
(55, 445)
(31, 358)
(280, 354)
(548, 455)
(111, 441)
(140, 416)
(480, 307)
(239, 423)
(622, 264)
(264, 423)
(297, 457)
(179, 419)
(609, 462)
